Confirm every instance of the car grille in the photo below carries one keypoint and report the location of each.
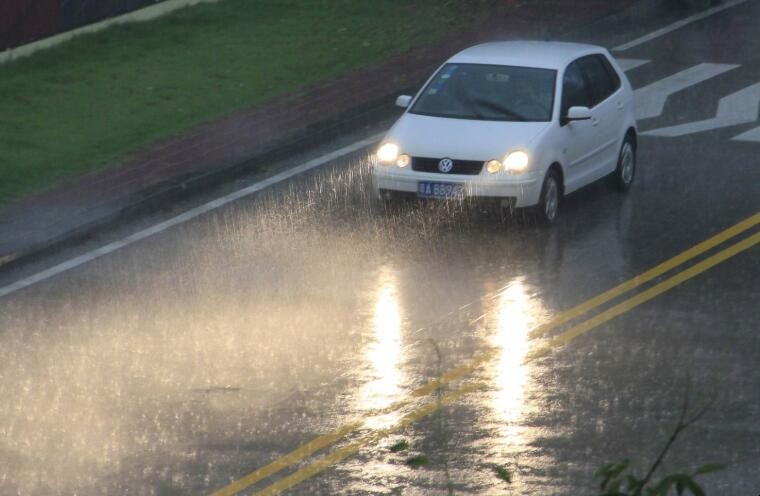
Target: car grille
(466, 167)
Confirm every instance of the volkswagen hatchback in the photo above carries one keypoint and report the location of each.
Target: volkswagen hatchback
(521, 122)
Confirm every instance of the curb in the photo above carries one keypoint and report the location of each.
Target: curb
(182, 188)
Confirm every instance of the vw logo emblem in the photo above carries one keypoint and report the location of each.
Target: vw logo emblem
(445, 165)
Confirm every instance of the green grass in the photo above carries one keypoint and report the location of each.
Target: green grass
(88, 102)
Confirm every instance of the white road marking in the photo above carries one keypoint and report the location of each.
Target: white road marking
(741, 107)
(751, 135)
(631, 64)
(650, 100)
(184, 217)
(676, 25)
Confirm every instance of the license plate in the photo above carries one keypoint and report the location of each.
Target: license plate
(439, 190)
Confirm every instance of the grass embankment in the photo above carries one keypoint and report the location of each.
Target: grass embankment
(84, 104)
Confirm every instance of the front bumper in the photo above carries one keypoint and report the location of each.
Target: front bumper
(524, 189)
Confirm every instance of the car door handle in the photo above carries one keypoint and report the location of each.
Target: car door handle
(594, 121)
(620, 106)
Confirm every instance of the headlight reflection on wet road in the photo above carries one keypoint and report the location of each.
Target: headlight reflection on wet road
(516, 314)
(384, 354)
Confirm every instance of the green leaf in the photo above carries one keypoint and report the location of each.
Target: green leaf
(680, 487)
(662, 488)
(603, 470)
(633, 483)
(692, 485)
(619, 468)
(399, 446)
(681, 482)
(710, 467)
(609, 473)
(503, 473)
(416, 461)
(602, 473)
(614, 485)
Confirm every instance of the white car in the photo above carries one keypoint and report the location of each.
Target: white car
(522, 122)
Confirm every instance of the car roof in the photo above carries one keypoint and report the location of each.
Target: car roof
(540, 54)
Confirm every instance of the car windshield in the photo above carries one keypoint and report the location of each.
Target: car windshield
(489, 93)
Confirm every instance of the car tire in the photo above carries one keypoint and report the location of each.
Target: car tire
(388, 201)
(547, 210)
(622, 178)
(383, 202)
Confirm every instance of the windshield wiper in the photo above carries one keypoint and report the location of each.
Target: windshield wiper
(498, 108)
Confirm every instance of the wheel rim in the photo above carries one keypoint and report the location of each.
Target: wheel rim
(627, 162)
(551, 198)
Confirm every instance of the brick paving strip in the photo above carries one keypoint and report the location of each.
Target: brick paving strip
(240, 143)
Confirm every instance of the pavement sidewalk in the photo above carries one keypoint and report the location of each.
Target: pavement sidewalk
(245, 141)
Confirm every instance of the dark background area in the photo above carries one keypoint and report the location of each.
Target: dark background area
(24, 21)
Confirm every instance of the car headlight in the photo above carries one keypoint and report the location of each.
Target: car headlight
(516, 162)
(403, 160)
(493, 166)
(387, 153)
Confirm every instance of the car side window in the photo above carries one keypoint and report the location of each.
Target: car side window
(575, 92)
(611, 72)
(597, 77)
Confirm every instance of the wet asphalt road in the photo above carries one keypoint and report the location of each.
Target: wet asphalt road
(188, 360)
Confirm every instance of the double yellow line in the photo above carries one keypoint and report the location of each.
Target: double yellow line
(453, 375)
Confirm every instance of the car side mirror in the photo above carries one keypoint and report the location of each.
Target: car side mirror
(403, 101)
(576, 114)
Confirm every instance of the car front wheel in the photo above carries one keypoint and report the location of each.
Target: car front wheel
(623, 176)
(551, 196)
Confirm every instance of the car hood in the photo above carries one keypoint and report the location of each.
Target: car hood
(438, 137)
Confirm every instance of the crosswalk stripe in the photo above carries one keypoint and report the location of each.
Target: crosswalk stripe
(751, 135)
(741, 107)
(650, 100)
(631, 64)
